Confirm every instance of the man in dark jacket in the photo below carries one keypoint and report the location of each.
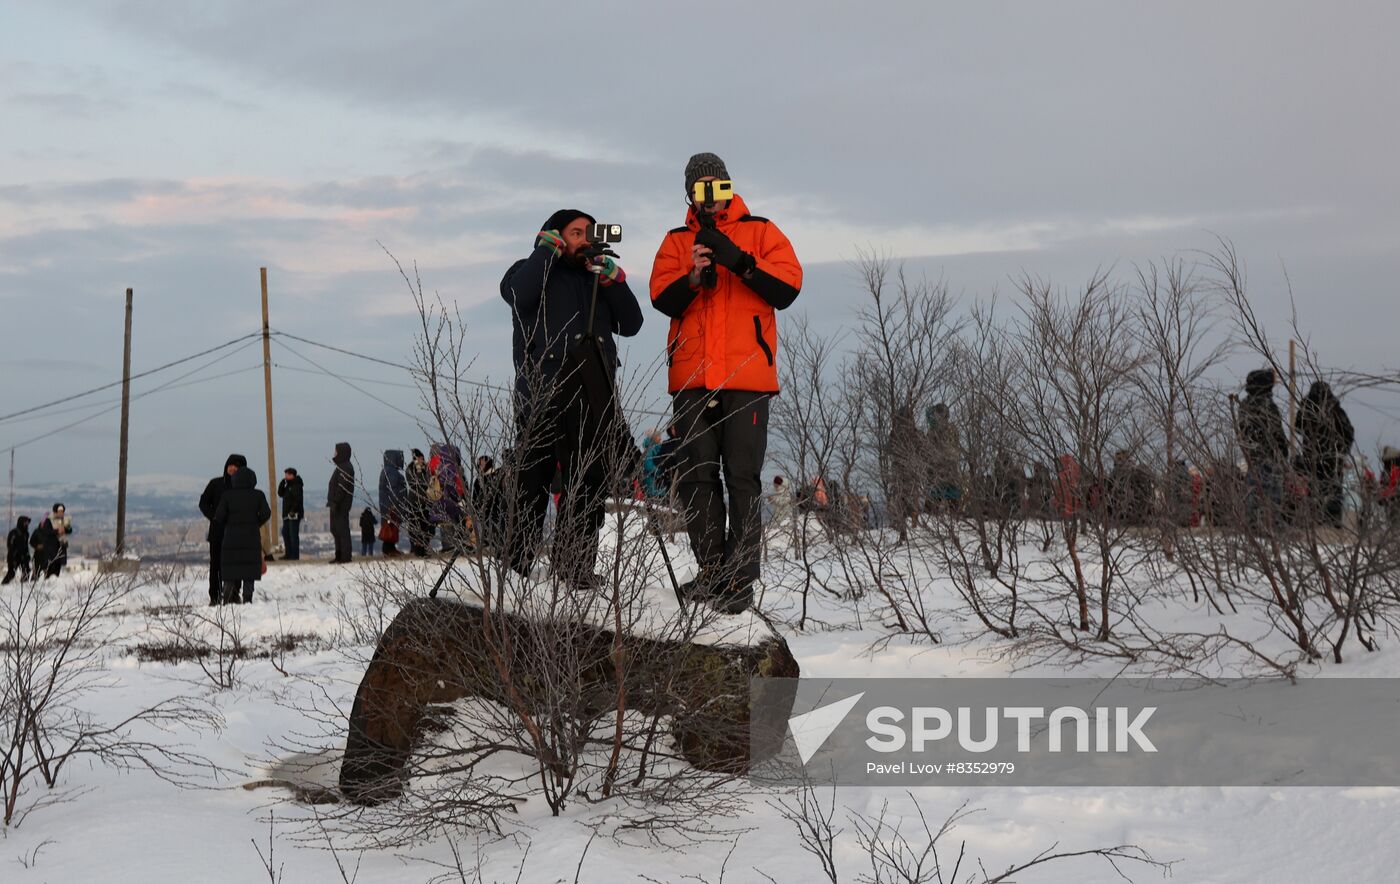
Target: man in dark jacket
(565, 411)
(1326, 436)
(486, 504)
(340, 496)
(209, 505)
(240, 515)
(291, 492)
(367, 523)
(416, 478)
(1264, 442)
(393, 495)
(902, 468)
(17, 551)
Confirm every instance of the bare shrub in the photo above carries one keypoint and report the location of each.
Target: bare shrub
(53, 645)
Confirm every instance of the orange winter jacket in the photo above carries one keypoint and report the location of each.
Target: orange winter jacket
(725, 338)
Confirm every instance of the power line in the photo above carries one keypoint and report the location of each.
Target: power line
(173, 383)
(416, 372)
(149, 371)
(349, 384)
(286, 367)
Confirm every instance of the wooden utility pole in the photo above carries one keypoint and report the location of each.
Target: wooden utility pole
(269, 532)
(126, 415)
(1292, 395)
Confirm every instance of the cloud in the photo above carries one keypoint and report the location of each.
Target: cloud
(973, 142)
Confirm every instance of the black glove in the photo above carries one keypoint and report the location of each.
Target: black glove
(726, 254)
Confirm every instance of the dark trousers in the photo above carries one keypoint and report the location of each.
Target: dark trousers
(340, 530)
(20, 565)
(216, 553)
(366, 546)
(722, 432)
(420, 532)
(291, 538)
(231, 591)
(1326, 490)
(565, 432)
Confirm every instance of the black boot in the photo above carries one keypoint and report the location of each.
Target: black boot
(732, 598)
(701, 587)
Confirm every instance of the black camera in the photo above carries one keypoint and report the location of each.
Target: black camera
(605, 233)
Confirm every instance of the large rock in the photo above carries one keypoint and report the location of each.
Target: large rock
(437, 651)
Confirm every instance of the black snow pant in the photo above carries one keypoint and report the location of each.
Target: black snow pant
(572, 426)
(340, 531)
(17, 564)
(231, 588)
(723, 432)
(216, 553)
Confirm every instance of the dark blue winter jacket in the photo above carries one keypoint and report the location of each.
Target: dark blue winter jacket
(549, 299)
(393, 488)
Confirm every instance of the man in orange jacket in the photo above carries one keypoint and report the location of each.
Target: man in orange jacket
(720, 277)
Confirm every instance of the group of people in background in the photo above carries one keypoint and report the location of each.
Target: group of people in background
(42, 552)
(418, 498)
(926, 473)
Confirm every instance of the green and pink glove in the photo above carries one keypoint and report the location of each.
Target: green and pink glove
(608, 270)
(552, 240)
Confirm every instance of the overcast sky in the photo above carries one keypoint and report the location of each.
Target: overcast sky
(176, 148)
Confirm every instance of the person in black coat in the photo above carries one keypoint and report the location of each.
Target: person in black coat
(17, 551)
(486, 503)
(1262, 437)
(1326, 436)
(292, 493)
(340, 496)
(393, 495)
(419, 527)
(50, 543)
(209, 505)
(367, 523)
(241, 513)
(565, 410)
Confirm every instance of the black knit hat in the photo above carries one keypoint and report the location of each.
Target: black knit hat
(1261, 380)
(703, 165)
(563, 218)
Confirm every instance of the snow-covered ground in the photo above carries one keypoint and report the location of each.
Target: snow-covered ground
(134, 827)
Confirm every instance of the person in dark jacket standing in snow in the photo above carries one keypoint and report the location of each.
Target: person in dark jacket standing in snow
(208, 505)
(486, 503)
(447, 488)
(50, 542)
(1326, 436)
(721, 278)
(393, 496)
(367, 523)
(416, 477)
(340, 496)
(241, 513)
(1264, 442)
(17, 551)
(291, 492)
(565, 411)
